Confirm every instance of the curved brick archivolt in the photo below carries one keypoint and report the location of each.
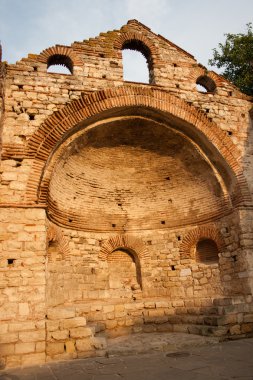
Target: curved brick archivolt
(200, 233)
(65, 122)
(55, 235)
(67, 51)
(127, 242)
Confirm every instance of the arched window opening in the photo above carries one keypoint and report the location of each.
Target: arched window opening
(207, 251)
(60, 64)
(137, 63)
(205, 84)
(124, 272)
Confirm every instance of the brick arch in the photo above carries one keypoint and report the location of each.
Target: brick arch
(200, 70)
(60, 50)
(126, 242)
(60, 124)
(55, 234)
(202, 232)
(127, 37)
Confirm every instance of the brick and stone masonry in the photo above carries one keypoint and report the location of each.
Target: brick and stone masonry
(124, 207)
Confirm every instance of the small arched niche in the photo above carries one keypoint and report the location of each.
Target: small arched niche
(205, 84)
(124, 272)
(135, 68)
(207, 251)
(60, 64)
(53, 252)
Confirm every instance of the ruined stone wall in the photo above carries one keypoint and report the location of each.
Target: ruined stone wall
(110, 193)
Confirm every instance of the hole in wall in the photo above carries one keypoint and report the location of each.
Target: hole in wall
(162, 221)
(31, 116)
(35, 68)
(103, 76)
(173, 267)
(70, 220)
(20, 86)
(178, 238)
(167, 178)
(230, 133)
(113, 225)
(149, 242)
(10, 262)
(205, 84)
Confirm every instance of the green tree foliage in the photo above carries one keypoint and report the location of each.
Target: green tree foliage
(236, 57)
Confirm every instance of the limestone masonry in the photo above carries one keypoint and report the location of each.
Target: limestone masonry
(124, 207)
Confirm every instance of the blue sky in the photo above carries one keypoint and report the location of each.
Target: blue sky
(29, 26)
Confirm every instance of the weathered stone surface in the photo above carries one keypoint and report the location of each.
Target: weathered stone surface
(124, 206)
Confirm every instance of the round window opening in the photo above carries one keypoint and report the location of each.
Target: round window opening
(207, 252)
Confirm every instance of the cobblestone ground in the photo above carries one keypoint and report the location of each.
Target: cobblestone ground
(188, 361)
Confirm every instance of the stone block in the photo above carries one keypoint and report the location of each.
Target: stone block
(7, 349)
(40, 347)
(185, 272)
(32, 336)
(23, 308)
(9, 338)
(248, 318)
(24, 348)
(235, 330)
(247, 328)
(63, 313)
(81, 332)
(60, 334)
(111, 324)
(73, 322)
(54, 348)
(70, 347)
(84, 345)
